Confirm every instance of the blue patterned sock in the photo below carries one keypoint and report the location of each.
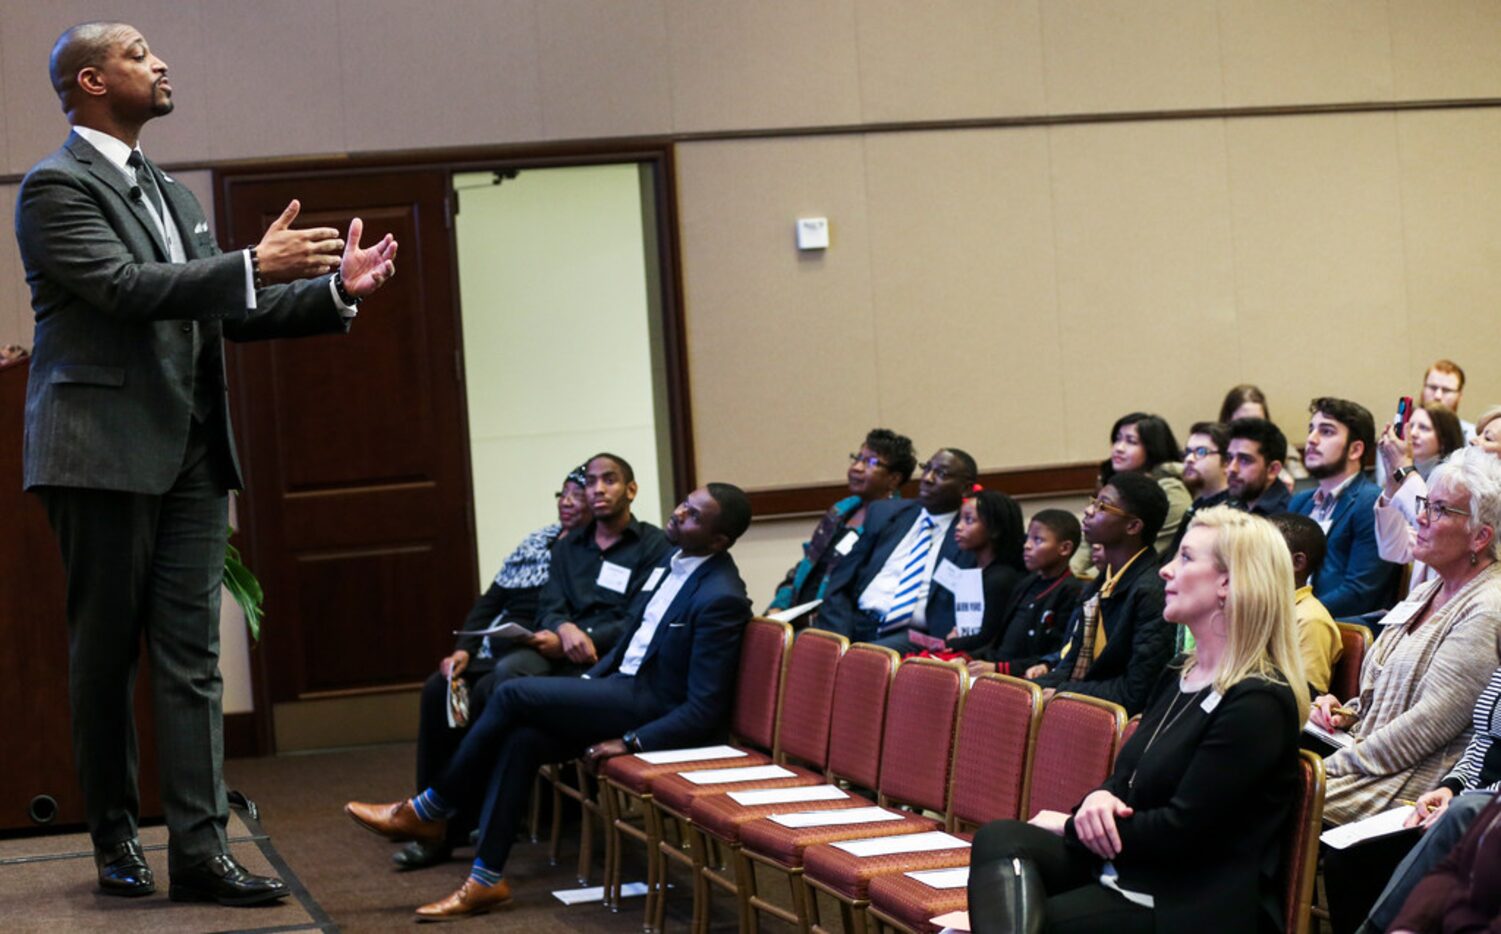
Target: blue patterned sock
(482, 874)
(430, 806)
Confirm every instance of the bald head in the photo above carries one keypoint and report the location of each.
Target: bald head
(83, 46)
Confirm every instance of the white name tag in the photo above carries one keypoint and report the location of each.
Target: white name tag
(1211, 702)
(969, 602)
(653, 580)
(616, 577)
(947, 575)
(846, 544)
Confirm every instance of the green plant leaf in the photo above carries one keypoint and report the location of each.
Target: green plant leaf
(244, 588)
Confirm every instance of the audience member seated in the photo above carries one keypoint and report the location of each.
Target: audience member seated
(1487, 434)
(1187, 832)
(1203, 473)
(1116, 644)
(1145, 443)
(512, 596)
(884, 586)
(877, 471)
(1042, 603)
(596, 570)
(1419, 681)
(1444, 384)
(1445, 813)
(1254, 467)
(1318, 637)
(13, 353)
(667, 684)
(1463, 893)
(1354, 580)
(989, 527)
(1403, 465)
(1248, 401)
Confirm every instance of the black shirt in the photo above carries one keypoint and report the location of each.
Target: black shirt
(1034, 622)
(574, 591)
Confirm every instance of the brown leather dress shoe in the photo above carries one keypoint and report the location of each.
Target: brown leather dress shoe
(396, 822)
(471, 899)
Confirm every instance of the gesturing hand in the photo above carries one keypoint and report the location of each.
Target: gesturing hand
(365, 269)
(286, 255)
(1094, 822)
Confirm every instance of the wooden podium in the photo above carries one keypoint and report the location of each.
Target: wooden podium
(36, 741)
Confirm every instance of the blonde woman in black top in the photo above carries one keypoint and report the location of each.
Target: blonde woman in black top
(1185, 835)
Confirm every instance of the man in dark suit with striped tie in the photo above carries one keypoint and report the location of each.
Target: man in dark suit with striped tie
(128, 442)
(893, 581)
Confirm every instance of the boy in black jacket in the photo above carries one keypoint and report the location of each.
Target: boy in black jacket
(1033, 623)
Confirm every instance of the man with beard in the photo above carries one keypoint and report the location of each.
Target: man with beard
(667, 685)
(1203, 474)
(1253, 469)
(886, 585)
(1354, 580)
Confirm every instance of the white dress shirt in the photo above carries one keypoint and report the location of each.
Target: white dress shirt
(118, 154)
(876, 599)
(680, 568)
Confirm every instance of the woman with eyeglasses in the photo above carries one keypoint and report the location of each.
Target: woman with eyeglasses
(1420, 680)
(1404, 465)
(877, 471)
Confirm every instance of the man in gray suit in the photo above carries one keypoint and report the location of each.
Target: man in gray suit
(128, 441)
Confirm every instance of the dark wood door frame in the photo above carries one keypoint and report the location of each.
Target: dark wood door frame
(254, 733)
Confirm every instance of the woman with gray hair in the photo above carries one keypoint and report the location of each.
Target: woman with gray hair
(1418, 685)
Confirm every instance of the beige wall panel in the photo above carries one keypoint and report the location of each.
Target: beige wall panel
(1296, 52)
(35, 124)
(966, 303)
(1446, 48)
(950, 59)
(1131, 55)
(294, 102)
(1318, 254)
(604, 68)
(782, 356)
(463, 73)
(1145, 282)
(773, 63)
(1451, 209)
(15, 298)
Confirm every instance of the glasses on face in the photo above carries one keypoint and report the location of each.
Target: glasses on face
(872, 461)
(1099, 505)
(1199, 452)
(939, 472)
(1437, 390)
(573, 496)
(1434, 511)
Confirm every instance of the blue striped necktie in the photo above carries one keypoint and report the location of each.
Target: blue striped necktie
(904, 601)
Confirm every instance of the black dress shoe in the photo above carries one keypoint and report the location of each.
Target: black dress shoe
(417, 855)
(123, 870)
(225, 881)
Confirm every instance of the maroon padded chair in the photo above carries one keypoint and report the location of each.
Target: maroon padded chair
(1300, 856)
(1132, 726)
(1355, 641)
(996, 729)
(916, 755)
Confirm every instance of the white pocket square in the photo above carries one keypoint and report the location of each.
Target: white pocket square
(676, 625)
(200, 227)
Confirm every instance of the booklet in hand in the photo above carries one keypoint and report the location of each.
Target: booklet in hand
(501, 632)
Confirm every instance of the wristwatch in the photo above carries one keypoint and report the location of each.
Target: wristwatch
(1401, 473)
(632, 741)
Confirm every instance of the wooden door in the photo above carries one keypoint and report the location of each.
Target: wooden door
(356, 514)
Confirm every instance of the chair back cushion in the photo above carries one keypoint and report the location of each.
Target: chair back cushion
(1344, 681)
(1075, 750)
(763, 649)
(1300, 856)
(862, 685)
(990, 759)
(918, 747)
(808, 696)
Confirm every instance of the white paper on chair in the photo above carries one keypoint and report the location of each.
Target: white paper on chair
(1337, 738)
(755, 773)
(792, 613)
(789, 795)
(1379, 826)
(905, 843)
(953, 921)
(697, 754)
(941, 878)
(870, 815)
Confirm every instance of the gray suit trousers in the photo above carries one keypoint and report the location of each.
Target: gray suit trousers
(140, 565)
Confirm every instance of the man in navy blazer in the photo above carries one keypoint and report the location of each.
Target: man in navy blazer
(1353, 580)
(668, 685)
(128, 441)
(892, 581)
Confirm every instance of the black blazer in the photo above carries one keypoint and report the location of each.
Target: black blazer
(1212, 797)
(111, 388)
(886, 524)
(691, 663)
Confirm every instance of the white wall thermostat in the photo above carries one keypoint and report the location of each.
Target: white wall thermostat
(812, 233)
